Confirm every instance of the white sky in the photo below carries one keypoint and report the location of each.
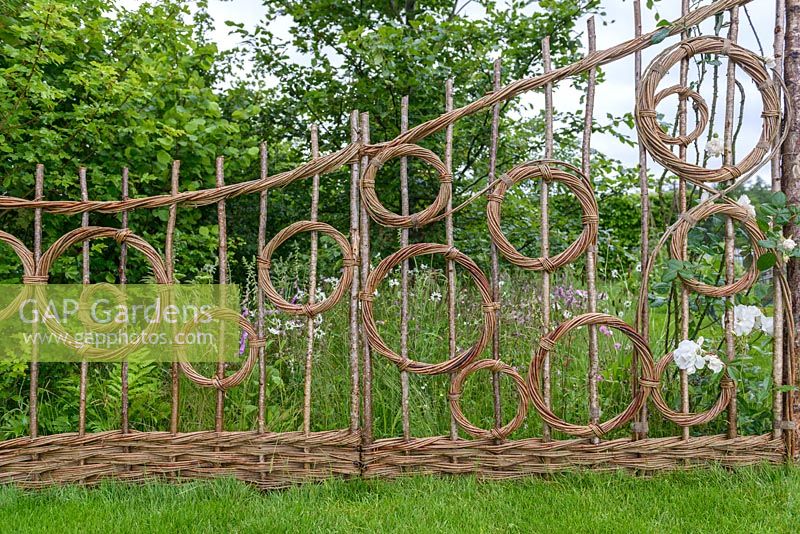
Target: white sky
(615, 95)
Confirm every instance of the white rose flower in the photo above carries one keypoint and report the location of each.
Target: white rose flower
(767, 325)
(714, 147)
(689, 355)
(745, 319)
(744, 201)
(714, 363)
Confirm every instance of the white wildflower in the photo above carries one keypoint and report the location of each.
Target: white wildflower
(714, 363)
(274, 331)
(436, 296)
(394, 282)
(567, 314)
(689, 355)
(714, 147)
(638, 268)
(627, 304)
(614, 273)
(770, 62)
(744, 201)
(788, 244)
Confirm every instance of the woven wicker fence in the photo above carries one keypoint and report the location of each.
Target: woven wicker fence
(271, 459)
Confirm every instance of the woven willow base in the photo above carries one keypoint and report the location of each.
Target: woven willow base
(283, 459)
(272, 460)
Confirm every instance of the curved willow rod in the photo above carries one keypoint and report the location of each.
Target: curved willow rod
(353, 152)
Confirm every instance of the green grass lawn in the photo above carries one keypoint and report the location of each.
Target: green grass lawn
(763, 499)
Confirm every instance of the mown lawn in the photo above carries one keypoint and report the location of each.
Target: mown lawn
(763, 499)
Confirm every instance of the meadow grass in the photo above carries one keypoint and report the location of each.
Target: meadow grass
(759, 499)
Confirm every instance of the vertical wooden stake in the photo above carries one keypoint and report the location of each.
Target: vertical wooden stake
(495, 282)
(404, 207)
(169, 253)
(591, 255)
(545, 226)
(640, 422)
(728, 159)
(223, 279)
(123, 279)
(262, 241)
(355, 209)
(86, 281)
(683, 206)
(365, 268)
(37, 254)
(791, 186)
(449, 237)
(312, 285)
(778, 333)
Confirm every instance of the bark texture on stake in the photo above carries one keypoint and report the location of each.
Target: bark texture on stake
(223, 279)
(355, 211)
(123, 279)
(404, 210)
(791, 186)
(262, 241)
(37, 255)
(85, 279)
(450, 239)
(684, 296)
(591, 255)
(728, 159)
(312, 285)
(169, 253)
(644, 191)
(364, 246)
(777, 271)
(495, 137)
(545, 225)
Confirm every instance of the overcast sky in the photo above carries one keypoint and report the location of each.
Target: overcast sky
(615, 95)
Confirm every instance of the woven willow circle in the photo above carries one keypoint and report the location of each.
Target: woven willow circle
(385, 217)
(233, 380)
(88, 233)
(382, 270)
(28, 273)
(87, 293)
(700, 106)
(575, 182)
(308, 309)
(678, 246)
(649, 129)
(647, 380)
(727, 389)
(457, 385)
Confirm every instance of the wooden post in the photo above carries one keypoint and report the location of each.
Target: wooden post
(791, 186)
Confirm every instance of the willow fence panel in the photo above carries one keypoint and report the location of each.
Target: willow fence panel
(276, 459)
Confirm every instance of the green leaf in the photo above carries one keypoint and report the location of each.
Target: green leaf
(766, 261)
(660, 35)
(778, 198)
(163, 157)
